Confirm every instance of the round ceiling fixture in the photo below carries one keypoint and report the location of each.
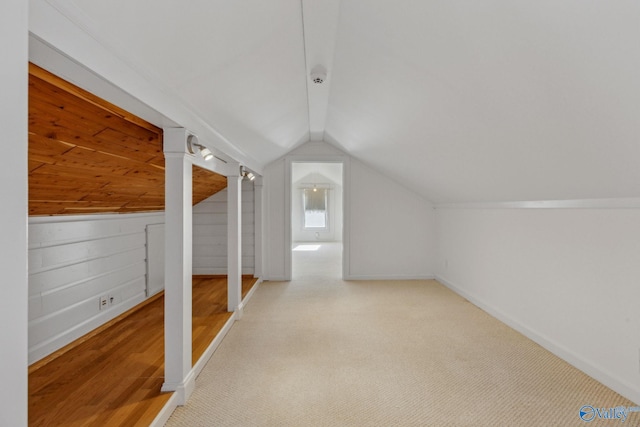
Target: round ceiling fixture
(318, 74)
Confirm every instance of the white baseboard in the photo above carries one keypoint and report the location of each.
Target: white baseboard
(175, 400)
(251, 291)
(201, 363)
(277, 279)
(217, 271)
(625, 389)
(180, 397)
(165, 413)
(389, 277)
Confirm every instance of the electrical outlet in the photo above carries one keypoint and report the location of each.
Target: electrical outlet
(112, 299)
(104, 302)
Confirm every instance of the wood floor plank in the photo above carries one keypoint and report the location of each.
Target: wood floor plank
(114, 377)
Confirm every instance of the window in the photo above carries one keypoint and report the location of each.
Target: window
(315, 207)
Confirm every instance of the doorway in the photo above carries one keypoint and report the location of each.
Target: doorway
(317, 219)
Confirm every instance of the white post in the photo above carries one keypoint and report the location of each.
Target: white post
(178, 269)
(234, 241)
(257, 220)
(13, 216)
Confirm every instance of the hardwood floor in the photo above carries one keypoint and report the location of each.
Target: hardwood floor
(114, 377)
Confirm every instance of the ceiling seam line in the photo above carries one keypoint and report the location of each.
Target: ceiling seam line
(306, 68)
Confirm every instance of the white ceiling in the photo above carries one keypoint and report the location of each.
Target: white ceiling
(461, 101)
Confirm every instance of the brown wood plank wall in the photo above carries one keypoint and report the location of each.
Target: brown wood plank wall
(87, 155)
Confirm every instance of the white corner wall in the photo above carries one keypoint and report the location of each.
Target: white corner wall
(13, 215)
(389, 230)
(76, 260)
(275, 245)
(210, 233)
(392, 231)
(566, 278)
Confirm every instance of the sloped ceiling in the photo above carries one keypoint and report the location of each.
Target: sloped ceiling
(309, 173)
(492, 100)
(461, 101)
(88, 156)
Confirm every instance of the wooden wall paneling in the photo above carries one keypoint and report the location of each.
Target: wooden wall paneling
(60, 116)
(94, 152)
(206, 183)
(102, 158)
(42, 74)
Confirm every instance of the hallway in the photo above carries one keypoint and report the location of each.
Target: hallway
(312, 259)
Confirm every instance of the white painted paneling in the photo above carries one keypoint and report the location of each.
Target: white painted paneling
(155, 258)
(13, 188)
(210, 233)
(52, 257)
(73, 261)
(567, 278)
(69, 275)
(59, 299)
(276, 248)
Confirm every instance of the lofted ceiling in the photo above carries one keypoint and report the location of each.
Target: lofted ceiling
(312, 172)
(89, 156)
(461, 101)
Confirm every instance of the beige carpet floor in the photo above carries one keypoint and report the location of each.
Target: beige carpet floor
(318, 351)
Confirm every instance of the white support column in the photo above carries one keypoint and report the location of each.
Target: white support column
(234, 241)
(13, 216)
(178, 269)
(257, 220)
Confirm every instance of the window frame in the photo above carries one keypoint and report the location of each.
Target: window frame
(326, 210)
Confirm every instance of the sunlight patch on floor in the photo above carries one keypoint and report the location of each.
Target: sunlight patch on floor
(306, 248)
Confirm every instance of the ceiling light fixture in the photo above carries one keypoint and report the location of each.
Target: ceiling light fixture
(245, 173)
(206, 154)
(318, 74)
(193, 146)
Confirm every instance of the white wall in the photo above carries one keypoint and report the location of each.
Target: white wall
(392, 231)
(73, 262)
(388, 236)
(275, 246)
(567, 278)
(13, 215)
(210, 233)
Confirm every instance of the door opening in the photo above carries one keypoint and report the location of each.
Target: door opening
(317, 219)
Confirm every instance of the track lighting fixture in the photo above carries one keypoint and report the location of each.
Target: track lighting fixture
(193, 146)
(206, 154)
(247, 174)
